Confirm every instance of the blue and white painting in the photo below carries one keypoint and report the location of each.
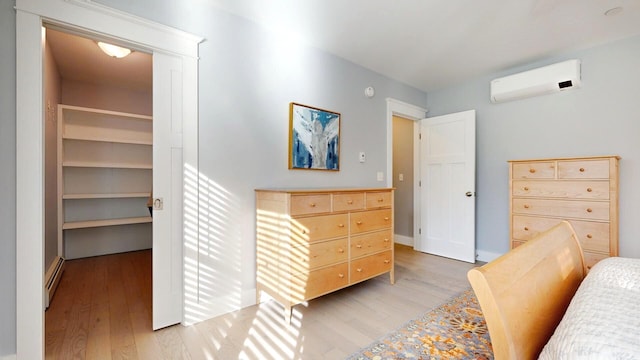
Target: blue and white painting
(315, 138)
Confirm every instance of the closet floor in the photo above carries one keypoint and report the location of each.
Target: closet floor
(102, 310)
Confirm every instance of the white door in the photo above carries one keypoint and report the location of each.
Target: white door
(167, 190)
(447, 175)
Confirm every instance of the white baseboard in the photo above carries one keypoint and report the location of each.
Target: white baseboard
(8, 357)
(486, 256)
(403, 240)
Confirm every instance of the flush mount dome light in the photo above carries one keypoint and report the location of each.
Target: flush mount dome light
(113, 50)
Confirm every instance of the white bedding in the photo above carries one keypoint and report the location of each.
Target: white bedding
(603, 318)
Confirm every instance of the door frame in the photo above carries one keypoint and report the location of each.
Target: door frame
(99, 19)
(414, 113)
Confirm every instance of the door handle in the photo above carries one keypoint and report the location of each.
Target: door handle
(469, 194)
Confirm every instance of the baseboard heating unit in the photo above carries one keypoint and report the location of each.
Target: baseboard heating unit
(52, 277)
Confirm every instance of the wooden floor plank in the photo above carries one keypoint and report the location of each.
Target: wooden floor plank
(99, 342)
(76, 334)
(117, 292)
(122, 339)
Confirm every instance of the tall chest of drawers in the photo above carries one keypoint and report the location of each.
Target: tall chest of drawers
(583, 191)
(313, 242)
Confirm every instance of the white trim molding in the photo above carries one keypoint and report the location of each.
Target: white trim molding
(403, 240)
(90, 18)
(405, 110)
(415, 113)
(486, 256)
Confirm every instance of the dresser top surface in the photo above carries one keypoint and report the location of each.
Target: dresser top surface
(568, 158)
(321, 190)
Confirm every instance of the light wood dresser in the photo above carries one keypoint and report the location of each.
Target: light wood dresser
(313, 242)
(583, 191)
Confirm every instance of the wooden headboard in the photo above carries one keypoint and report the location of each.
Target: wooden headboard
(525, 292)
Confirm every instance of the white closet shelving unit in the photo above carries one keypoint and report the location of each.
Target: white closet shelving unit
(104, 180)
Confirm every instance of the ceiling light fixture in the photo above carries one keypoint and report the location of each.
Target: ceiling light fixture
(113, 50)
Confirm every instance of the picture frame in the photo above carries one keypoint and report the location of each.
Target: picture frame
(314, 138)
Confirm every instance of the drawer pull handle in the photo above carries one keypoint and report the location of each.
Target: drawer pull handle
(589, 210)
(526, 206)
(589, 236)
(341, 276)
(340, 225)
(532, 170)
(359, 222)
(381, 200)
(589, 189)
(359, 269)
(526, 228)
(340, 250)
(386, 218)
(387, 261)
(526, 188)
(312, 204)
(359, 246)
(386, 239)
(581, 169)
(304, 231)
(349, 202)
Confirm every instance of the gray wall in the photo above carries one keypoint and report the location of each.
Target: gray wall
(601, 118)
(7, 178)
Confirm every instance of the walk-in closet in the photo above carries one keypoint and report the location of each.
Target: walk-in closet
(98, 189)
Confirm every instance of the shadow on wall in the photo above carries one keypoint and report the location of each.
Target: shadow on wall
(213, 263)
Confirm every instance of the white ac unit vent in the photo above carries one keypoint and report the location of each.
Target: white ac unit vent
(548, 79)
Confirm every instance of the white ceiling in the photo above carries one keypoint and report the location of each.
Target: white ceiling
(429, 44)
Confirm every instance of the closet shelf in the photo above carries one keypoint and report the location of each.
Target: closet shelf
(107, 139)
(90, 164)
(108, 222)
(92, 111)
(106, 196)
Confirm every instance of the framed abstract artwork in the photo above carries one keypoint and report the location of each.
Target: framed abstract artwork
(314, 138)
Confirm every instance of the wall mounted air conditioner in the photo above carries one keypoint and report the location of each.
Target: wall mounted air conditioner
(548, 79)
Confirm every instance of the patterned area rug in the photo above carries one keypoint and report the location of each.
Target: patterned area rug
(454, 330)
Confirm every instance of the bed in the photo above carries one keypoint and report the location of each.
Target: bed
(538, 301)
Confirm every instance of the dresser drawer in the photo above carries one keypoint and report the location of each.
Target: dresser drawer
(348, 201)
(312, 284)
(378, 199)
(370, 220)
(310, 229)
(319, 254)
(591, 258)
(590, 210)
(310, 204)
(593, 236)
(583, 169)
(561, 189)
(534, 170)
(370, 266)
(362, 245)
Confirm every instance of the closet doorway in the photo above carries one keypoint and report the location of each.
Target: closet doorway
(175, 95)
(98, 135)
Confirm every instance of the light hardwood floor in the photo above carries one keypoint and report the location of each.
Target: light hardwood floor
(102, 310)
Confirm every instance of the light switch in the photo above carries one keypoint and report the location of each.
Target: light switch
(401, 177)
(361, 156)
(380, 176)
